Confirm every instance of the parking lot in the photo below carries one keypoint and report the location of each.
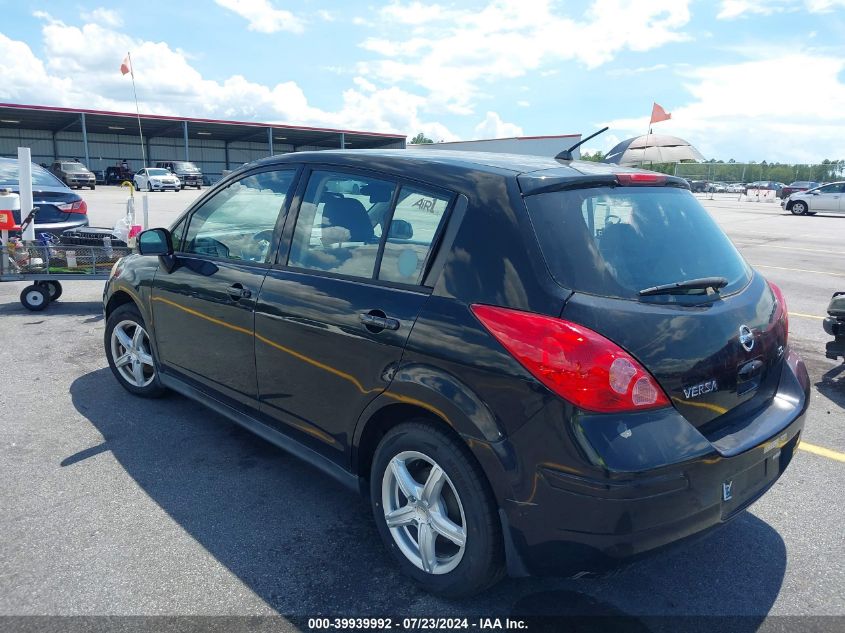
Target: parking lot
(115, 505)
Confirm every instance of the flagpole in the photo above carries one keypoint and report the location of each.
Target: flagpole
(137, 110)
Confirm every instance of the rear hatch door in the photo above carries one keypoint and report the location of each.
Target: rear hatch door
(713, 351)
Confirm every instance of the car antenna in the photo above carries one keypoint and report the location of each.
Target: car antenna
(566, 155)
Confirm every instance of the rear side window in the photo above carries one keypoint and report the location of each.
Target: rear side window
(617, 241)
(416, 222)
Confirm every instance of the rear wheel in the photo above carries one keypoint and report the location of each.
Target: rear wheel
(149, 186)
(54, 289)
(130, 353)
(435, 512)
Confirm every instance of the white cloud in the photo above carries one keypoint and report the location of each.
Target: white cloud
(263, 17)
(454, 53)
(730, 9)
(755, 119)
(83, 72)
(106, 17)
(328, 16)
(493, 127)
(523, 103)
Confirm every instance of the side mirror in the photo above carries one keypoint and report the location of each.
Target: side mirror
(401, 230)
(155, 242)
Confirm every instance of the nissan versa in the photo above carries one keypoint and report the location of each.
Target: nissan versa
(528, 366)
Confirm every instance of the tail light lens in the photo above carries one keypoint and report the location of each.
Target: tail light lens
(79, 206)
(780, 310)
(580, 365)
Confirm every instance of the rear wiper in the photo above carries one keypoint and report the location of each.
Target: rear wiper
(702, 283)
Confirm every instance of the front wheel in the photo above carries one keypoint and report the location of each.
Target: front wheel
(435, 512)
(130, 353)
(35, 297)
(799, 208)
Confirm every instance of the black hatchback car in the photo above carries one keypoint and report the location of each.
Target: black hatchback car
(526, 366)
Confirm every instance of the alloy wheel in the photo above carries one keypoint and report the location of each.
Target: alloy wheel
(130, 349)
(424, 512)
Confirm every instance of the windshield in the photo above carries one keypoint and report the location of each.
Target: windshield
(158, 172)
(618, 241)
(183, 166)
(40, 176)
(75, 167)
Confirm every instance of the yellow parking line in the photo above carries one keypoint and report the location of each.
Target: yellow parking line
(806, 316)
(821, 450)
(800, 270)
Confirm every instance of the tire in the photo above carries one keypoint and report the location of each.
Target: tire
(131, 356)
(93, 187)
(35, 298)
(149, 187)
(54, 289)
(463, 506)
(799, 207)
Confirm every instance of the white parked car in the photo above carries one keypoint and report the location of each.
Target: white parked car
(825, 199)
(736, 188)
(155, 179)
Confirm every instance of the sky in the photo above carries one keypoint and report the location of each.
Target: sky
(748, 80)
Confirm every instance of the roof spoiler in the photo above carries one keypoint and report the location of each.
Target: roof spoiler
(566, 155)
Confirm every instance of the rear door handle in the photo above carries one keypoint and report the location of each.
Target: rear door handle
(237, 292)
(376, 321)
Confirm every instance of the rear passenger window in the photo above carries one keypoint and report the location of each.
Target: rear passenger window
(416, 221)
(337, 229)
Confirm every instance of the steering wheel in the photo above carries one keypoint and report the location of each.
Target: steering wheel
(615, 219)
(263, 236)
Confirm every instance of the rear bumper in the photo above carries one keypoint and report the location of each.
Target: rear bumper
(676, 484)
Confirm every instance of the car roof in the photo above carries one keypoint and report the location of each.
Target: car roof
(533, 171)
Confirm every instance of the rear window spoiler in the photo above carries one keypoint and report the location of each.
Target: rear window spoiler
(533, 183)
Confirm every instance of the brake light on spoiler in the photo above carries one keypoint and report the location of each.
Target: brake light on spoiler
(637, 178)
(578, 364)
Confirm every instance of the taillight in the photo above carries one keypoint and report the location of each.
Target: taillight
(79, 206)
(780, 310)
(580, 365)
(636, 178)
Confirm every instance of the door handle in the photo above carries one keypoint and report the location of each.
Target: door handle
(237, 292)
(376, 321)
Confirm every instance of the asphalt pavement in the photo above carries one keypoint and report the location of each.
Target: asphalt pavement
(115, 505)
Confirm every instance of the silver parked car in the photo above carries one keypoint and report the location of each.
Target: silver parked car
(828, 198)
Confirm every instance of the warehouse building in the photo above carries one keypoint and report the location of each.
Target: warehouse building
(103, 139)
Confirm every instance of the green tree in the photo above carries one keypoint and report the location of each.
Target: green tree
(421, 139)
(597, 157)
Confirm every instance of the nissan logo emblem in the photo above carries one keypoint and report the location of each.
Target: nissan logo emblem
(746, 338)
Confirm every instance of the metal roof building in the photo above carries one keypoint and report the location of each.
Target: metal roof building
(101, 139)
(528, 145)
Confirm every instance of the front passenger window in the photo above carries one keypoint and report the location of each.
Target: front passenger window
(239, 221)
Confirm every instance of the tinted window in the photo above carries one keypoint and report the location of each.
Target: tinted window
(834, 188)
(40, 176)
(617, 241)
(178, 231)
(416, 221)
(73, 167)
(335, 228)
(238, 222)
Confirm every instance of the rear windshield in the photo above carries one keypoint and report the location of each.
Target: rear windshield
(40, 176)
(617, 241)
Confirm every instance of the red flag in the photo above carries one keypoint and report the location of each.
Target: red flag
(126, 66)
(658, 114)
